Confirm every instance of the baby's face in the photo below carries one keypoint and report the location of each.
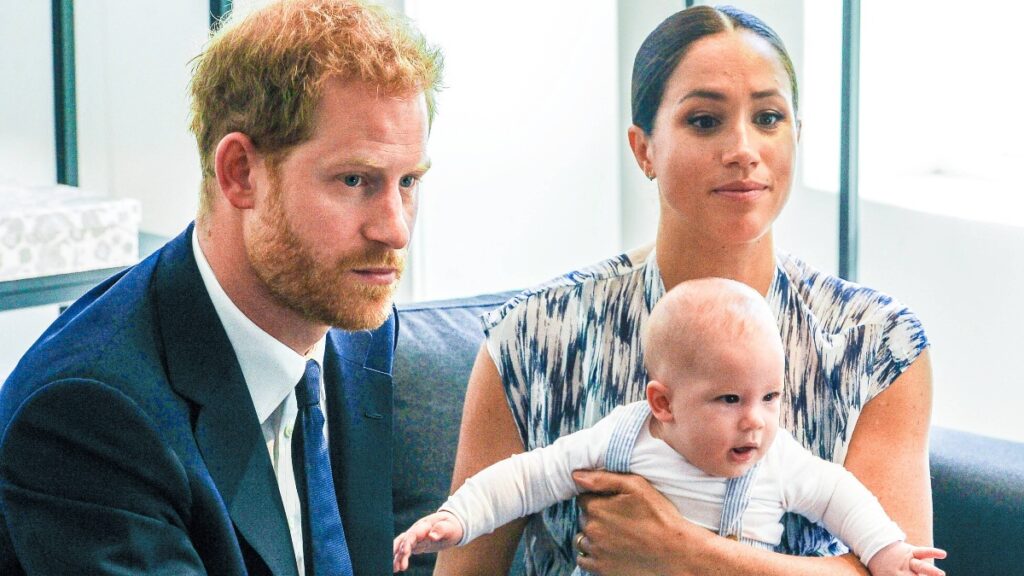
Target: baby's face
(726, 414)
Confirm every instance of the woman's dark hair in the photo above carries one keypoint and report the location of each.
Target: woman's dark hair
(667, 44)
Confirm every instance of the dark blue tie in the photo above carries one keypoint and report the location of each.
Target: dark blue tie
(323, 537)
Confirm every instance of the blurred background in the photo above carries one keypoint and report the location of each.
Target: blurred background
(532, 175)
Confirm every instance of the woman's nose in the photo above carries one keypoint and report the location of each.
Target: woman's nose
(740, 149)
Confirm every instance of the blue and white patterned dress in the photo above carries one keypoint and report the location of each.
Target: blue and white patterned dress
(569, 352)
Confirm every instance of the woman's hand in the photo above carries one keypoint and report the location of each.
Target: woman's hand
(631, 528)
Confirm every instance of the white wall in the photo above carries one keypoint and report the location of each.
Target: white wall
(524, 184)
(26, 95)
(133, 105)
(963, 279)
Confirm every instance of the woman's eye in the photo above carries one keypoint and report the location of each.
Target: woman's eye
(703, 122)
(407, 181)
(352, 180)
(768, 119)
(729, 398)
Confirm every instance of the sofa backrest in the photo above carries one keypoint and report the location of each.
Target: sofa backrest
(437, 344)
(978, 502)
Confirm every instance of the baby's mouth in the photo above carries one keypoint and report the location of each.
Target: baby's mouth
(745, 452)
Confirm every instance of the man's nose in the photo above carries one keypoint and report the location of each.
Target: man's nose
(390, 219)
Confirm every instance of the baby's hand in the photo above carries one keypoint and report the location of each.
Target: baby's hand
(902, 559)
(431, 533)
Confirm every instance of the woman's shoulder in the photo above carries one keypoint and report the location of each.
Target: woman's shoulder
(837, 304)
(613, 277)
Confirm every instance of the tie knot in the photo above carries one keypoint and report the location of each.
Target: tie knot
(307, 391)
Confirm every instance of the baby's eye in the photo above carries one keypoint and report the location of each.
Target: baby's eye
(729, 398)
(768, 119)
(772, 396)
(703, 122)
(352, 180)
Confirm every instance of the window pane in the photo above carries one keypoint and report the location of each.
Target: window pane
(942, 221)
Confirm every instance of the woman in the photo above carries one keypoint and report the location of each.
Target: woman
(715, 122)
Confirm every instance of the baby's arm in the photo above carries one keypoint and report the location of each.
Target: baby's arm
(512, 488)
(902, 559)
(826, 492)
(527, 483)
(431, 533)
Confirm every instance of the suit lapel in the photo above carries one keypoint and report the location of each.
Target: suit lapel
(357, 372)
(202, 366)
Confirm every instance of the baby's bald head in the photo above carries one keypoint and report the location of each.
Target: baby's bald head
(703, 315)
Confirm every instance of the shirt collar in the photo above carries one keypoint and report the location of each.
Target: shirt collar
(270, 368)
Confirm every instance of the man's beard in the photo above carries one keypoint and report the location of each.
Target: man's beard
(317, 290)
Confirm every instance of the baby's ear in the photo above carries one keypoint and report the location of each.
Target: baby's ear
(660, 401)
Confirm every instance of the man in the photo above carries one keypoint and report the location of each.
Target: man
(154, 426)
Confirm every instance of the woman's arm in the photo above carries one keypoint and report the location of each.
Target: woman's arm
(889, 450)
(888, 453)
(488, 434)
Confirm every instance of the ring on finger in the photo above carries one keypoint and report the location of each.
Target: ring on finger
(579, 546)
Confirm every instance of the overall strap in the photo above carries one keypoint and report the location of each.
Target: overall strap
(737, 498)
(620, 447)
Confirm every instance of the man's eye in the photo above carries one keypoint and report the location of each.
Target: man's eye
(703, 122)
(407, 181)
(352, 180)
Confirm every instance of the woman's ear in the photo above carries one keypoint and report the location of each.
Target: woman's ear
(234, 162)
(640, 144)
(660, 400)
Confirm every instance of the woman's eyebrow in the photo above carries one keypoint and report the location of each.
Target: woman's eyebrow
(702, 93)
(770, 93)
(720, 96)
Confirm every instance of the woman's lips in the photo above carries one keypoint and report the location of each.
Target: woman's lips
(741, 189)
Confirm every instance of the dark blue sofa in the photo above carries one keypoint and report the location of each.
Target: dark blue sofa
(977, 482)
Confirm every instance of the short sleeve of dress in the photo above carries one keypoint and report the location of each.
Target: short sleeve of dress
(508, 346)
(902, 341)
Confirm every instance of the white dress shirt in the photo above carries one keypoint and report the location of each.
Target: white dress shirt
(271, 370)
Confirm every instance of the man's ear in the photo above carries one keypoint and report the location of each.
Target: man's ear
(234, 162)
(660, 401)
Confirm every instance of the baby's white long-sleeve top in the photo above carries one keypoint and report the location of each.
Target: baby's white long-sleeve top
(791, 479)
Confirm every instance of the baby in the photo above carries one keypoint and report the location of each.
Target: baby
(707, 437)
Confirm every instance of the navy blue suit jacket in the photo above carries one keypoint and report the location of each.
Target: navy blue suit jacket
(129, 443)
